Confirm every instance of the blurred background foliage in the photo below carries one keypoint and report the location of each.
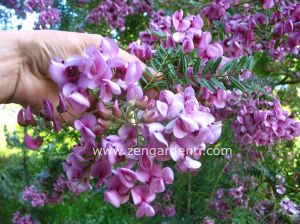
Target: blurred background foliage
(191, 193)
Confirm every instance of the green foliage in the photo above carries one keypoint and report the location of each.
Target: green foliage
(174, 64)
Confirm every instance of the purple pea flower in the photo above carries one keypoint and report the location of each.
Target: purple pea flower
(25, 119)
(142, 196)
(32, 143)
(180, 24)
(267, 4)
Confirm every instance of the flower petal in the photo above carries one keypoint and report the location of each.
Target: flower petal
(56, 71)
(78, 102)
(168, 175)
(162, 108)
(110, 48)
(178, 37)
(32, 143)
(134, 73)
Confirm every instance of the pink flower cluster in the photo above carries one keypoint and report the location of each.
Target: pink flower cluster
(177, 30)
(216, 9)
(34, 196)
(187, 128)
(143, 6)
(290, 208)
(26, 219)
(143, 51)
(175, 127)
(232, 103)
(38, 199)
(37, 5)
(77, 75)
(48, 18)
(217, 99)
(60, 186)
(222, 103)
(241, 38)
(226, 199)
(263, 208)
(11, 4)
(165, 207)
(244, 31)
(263, 123)
(286, 30)
(114, 12)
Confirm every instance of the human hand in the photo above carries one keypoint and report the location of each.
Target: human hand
(37, 49)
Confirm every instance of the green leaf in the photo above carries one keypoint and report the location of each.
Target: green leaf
(207, 67)
(163, 50)
(228, 67)
(241, 63)
(148, 73)
(248, 62)
(191, 82)
(153, 65)
(157, 62)
(216, 65)
(171, 70)
(236, 83)
(144, 80)
(197, 66)
(217, 83)
(232, 65)
(204, 82)
(256, 58)
(224, 69)
(170, 51)
(220, 28)
(161, 53)
(184, 64)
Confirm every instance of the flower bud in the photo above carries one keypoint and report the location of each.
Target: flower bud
(48, 110)
(143, 103)
(20, 118)
(29, 116)
(56, 125)
(170, 42)
(62, 107)
(103, 123)
(149, 116)
(27, 119)
(104, 112)
(116, 109)
(98, 130)
(187, 45)
(288, 26)
(32, 143)
(278, 29)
